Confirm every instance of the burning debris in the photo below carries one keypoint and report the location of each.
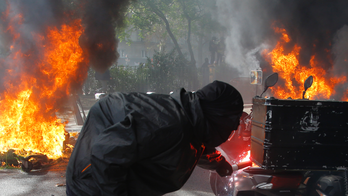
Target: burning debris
(26, 163)
(49, 50)
(34, 162)
(9, 159)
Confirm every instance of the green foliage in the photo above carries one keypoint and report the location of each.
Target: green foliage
(167, 72)
(143, 18)
(123, 33)
(91, 84)
(128, 79)
(148, 17)
(145, 22)
(179, 20)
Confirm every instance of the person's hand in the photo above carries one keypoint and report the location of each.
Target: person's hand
(224, 169)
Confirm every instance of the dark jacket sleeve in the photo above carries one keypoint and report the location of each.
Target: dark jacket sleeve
(213, 160)
(113, 152)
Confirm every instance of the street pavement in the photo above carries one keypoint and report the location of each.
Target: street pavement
(197, 185)
(15, 182)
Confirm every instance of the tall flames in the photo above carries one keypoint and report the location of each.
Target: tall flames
(36, 86)
(287, 65)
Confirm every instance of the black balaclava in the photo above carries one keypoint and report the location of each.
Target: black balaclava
(222, 107)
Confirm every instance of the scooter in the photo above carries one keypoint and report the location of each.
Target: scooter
(257, 181)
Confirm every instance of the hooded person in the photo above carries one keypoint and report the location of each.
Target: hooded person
(149, 144)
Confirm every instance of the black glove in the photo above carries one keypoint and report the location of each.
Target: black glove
(213, 160)
(224, 168)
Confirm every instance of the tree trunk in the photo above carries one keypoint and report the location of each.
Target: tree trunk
(194, 85)
(193, 61)
(160, 14)
(200, 51)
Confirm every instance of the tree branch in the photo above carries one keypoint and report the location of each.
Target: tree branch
(189, 20)
(159, 13)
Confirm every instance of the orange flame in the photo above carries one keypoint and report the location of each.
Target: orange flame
(29, 105)
(246, 158)
(288, 67)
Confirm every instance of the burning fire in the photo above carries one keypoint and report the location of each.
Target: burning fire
(287, 65)
(37, 86)
(247, 157)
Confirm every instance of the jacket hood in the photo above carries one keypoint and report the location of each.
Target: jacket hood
(222, 107)
(189, 101)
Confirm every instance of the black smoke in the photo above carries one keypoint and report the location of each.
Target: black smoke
(313, 24)
(99, 40)
(99, 18)
(28, 19)
(319, 27)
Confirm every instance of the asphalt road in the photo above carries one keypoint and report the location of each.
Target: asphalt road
(14, 182)
(197, 185)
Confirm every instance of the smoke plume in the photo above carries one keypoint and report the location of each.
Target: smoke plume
(29, 18)
(318, 26)
(99, 41)
(25, 27)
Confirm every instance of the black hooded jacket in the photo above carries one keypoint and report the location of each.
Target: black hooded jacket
(140, 144)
